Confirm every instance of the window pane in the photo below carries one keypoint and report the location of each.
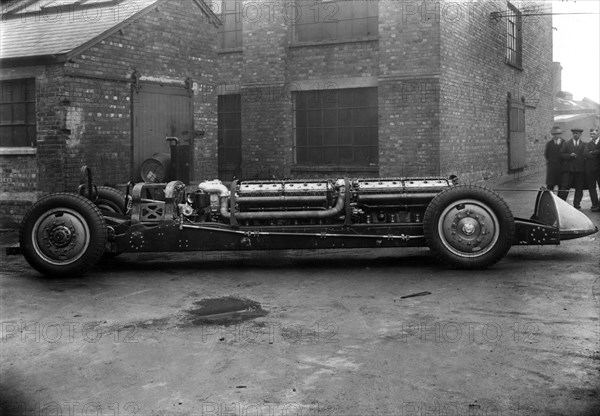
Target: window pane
(345, 136)
(359, 28)
(315, 137)
(330, 155)
(314, 156)
(302, 155)
(301, 139)
(313, 99)
(20, 136)
(314, 118)
(372, 26)
(345, 117)
(5, 113)
(361, 136)
(30, 109)
(301, 119)
(300, 100)
(346, 98)
(346, 155)
(330, 30)
(31, 135)
(6, 136)
(330, 118)
(330, 137)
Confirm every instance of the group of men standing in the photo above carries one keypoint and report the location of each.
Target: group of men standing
(573, 164)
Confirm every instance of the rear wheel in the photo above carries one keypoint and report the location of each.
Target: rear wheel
(468, 227)
(63, 235)
(112, 200)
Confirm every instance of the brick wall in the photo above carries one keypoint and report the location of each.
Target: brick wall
(475, 85)
(173, 41)
(409, 83)
(442, 86)
(84, 106)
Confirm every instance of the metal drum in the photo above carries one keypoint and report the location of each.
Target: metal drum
(156, 169)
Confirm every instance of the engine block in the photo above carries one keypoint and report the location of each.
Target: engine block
(302, 202)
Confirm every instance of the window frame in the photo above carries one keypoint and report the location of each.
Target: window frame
(331, 23)
(514, 36)
(27, 99)
(232, 23)
(321, 141)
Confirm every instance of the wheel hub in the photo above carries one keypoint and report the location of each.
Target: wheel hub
(467, 228)
(61, 236)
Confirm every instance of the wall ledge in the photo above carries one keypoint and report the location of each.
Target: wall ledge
(10, 151)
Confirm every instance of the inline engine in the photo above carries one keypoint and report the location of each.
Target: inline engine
(310, 202)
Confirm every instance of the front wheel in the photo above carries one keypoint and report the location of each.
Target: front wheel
(63, 235)
(469, 227)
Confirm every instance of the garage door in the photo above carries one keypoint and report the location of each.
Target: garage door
(160, 111)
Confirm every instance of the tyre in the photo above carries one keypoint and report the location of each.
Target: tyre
(468, 227)
(63, 235)
(111, 200)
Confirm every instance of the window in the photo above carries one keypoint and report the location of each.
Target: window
(320, 20)
(17, 113)
(229, 135)
(336, 127)
(230, 33)
(513, 36)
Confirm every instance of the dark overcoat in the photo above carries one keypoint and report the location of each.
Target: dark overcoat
(553, 162)
(592, 157)
(572, 164)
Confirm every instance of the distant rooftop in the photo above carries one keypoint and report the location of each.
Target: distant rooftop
(45, 27)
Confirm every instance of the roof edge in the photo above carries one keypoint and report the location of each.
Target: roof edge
(33, 60)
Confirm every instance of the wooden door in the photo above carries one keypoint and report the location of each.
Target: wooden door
(159, 112)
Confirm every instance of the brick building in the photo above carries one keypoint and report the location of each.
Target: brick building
(298, 88)
(101, 83)
(368, 88)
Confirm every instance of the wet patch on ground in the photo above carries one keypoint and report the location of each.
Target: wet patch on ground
(224, 311)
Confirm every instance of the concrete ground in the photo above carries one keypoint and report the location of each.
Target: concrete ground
(329, 333)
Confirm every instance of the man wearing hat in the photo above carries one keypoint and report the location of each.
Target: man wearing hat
(553, 160)
(573, 171)
(592, 166)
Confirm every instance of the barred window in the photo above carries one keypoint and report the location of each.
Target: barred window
(17, 113)
(318, 20)
(230, 33)
(513, 36)
(336, 127)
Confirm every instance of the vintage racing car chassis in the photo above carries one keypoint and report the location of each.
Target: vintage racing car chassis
(465, 226)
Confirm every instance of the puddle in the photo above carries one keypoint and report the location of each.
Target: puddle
(225, 311)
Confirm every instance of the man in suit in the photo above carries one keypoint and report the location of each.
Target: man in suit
(592, 167)
(553, 160)
(573, 173)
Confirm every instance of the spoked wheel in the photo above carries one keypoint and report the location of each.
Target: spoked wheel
(469, 227)
(63, 235)
(112, 200)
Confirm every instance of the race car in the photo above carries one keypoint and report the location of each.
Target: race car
(465, 226)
